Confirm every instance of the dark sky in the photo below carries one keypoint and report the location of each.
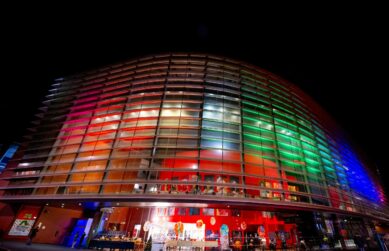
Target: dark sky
(337, 55)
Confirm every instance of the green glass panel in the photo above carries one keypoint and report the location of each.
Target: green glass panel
(256, 128)
(259, 147)
(285, 122)
(327, 162)
(312, 162)
(283, 114)
(327, 168)
(281, 96)
(288, 113)
(290, 155)
(280, 86)
(311, 154)
(291, 163)
(283, 103)
(306, 132)
(258, 137)
(306, 139)
(324, 154)
(256, 105)
(288, 146)
(314, 170)
(287, 137)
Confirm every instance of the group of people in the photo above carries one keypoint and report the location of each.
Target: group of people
(252, 243)
(273, 244)
(255, 243)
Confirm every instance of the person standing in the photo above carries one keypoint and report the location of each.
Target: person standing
(75, 239)
(273, 244)
(81, 239)
(283, 242)
(32, 235)
(359, 241)
(262, 244)
(251, 244)
(302, 245)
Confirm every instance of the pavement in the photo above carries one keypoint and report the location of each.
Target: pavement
(21, 246)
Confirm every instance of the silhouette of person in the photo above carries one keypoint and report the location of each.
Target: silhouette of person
(273, 244)
(302, 245)
(75, 239)
(32, 235)
(1, 236)
(283, 242)
(251, 244)
(81, 239)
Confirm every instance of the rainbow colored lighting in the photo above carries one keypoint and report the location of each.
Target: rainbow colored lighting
(189, 126)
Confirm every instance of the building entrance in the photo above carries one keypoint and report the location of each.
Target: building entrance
(192, 226)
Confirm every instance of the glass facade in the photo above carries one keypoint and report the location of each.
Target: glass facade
(190, 127)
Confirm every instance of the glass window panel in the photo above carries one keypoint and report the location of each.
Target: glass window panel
(254, 170)
(231, 167)
(212, 154)
(171, 113)
(59, 168)
(142, 142)
(231, 145)
(187, 142)
(188, 132)
(120, 152)
(232, 118)
(194, 211)
(73, 140)
(78, 177)
(123, 175)
(213, 115)
(210, 165)
(233, 136)
(118, 189)
(95, 176)
(212, 133)
(169, 122)
(147, 122)
(189, 122)
(66, 158)
(94, 154)
(90, 165)
(187, 153)
(167, 142)
(211, 143)
(83, 189)
(46, 190)
(232, 155)
(212, 124)
(168, 131)
(144, 132)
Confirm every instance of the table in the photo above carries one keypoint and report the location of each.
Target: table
(193, 244)
(122, 245)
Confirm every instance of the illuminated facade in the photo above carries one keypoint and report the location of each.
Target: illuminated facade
(189, 128)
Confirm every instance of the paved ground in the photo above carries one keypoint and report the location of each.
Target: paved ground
(21, 246)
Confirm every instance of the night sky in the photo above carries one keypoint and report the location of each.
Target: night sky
(339, 56)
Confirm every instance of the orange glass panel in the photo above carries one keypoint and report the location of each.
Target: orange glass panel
(231, 155)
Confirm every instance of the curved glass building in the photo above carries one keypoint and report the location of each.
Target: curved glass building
(194, 129)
